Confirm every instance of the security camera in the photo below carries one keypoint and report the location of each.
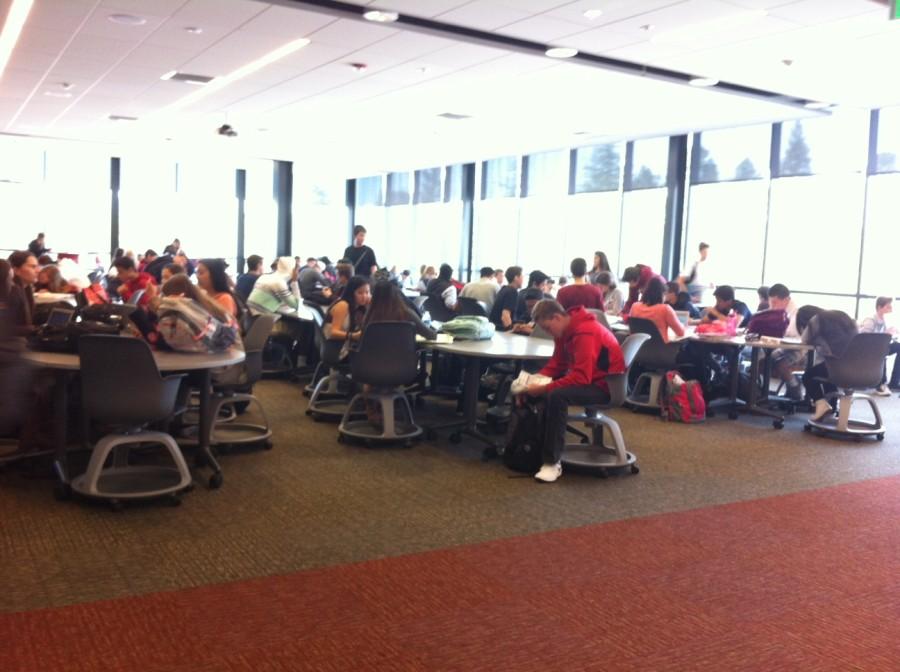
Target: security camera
(227, 131)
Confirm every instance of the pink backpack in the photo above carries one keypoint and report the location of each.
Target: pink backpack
(683, 400)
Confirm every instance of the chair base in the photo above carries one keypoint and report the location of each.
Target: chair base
(392, 429)
(595, 453)
(843, 424)
(327, 401)
(647, 391)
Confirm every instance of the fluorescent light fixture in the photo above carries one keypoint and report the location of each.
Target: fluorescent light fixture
(378, 16)
(591, 14)
(127, 19)
(171, 73)
(58, 94)
(703, 82)
(697, 31)
(193, 30)
(12, 28)
(561, 52)
(244, 71)
(815, 105)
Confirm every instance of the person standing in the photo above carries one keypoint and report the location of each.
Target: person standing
(580, 292)
(601, 265)
(36, 246)
(361, 255)
(695, 282)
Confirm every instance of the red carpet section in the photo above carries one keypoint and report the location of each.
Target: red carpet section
(807, 582)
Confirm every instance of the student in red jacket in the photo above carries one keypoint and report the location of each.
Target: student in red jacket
(584, 353)
(638, 277)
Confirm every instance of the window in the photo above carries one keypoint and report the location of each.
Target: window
(733, 154)
(643, 222)
(888, 140)
(427, 185)
(147, 201)
(597, 168)
(836, 143)
(879, 270)
(205, 208)
(815, 223)
(496, 236)
(319, 216)
(260, 211)
(397, 189)
(368, 191)
(731, 218)
(453, 183)
(500, 178)
(592, 224)
(547, 174)
(649, 164)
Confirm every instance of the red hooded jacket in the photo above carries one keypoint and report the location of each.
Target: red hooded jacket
(585, 354)
(634, 293)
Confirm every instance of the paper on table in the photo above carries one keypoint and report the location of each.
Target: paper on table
(525, 379)
(441, 338)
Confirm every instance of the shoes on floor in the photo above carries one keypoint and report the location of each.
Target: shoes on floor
(882, 391)
(549, 473)
(821, 409)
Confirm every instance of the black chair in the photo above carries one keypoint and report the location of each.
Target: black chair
(385, 362)
(859, 367)
(438, 309)
(655, 358)
(331, 391)
(122, 389)
(467, 306)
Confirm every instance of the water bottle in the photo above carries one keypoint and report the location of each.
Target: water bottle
(426, 318)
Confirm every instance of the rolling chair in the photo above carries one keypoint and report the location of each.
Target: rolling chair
(600, 315)
(858, 367)
(122, 388)
(329, 397)
(593, 452)
(467, 306)
(656, 358)
(386, 361)
(437, 309)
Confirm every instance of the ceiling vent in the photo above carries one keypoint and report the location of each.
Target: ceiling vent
(121, 117)
(188, 78)
(454, 116)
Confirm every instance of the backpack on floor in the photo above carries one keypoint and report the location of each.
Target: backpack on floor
(522, 450)
(683, 399)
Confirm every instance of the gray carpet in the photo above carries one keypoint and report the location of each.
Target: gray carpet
(313, 502)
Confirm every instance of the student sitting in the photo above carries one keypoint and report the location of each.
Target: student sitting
(613, 301)
(780, 320)
(580, 292)
(680, 300)
(653, 308)
(388, 305)
(344, 272)
(442, 293)
(428, 274)
(276, 292)
(763, 294)
(829, 331)
(20, 301)
(245, 281)
(876, 325)
(534, 292)
(484, 289)
(133, 281)
(313, 285)
(213, 279)
(180, 286)
(343, 324)
(50, 280)
(726, 307)
(637, 277)
(171, 269)
(503, 313)
(584, 353)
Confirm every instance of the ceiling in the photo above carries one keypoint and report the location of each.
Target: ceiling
(313, 104)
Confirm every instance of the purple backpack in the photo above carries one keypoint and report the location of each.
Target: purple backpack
(769, 323)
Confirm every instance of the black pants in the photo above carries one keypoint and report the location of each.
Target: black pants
(817, 389)
(558, 402)
(895, 374)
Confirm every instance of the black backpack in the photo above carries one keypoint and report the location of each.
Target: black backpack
(524, 438)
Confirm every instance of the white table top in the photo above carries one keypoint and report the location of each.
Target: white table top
(503, 345)
(166, 361)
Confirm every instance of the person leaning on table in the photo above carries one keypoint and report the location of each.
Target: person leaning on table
(584, 353)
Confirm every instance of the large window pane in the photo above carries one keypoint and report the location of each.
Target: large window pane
(592, 224)
(368, 191)
(731, 219)
(147, 217)
(598, 168)
(643, 222)
(319, 217)
(398, 191)
(205, 208)
(541, 243)
(260, 211)
(814, 233)
(837, 143)
(879, 271)
(496, 233)
(650, 163)
(438, 229)
(888, 140)
(548, 174)
(501, 178)
(733, 154)
(428, 185)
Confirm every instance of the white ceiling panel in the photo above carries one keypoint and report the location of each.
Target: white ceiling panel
(541, 28)
(813, 12)
(196, 12)
(84, 46)
(484, 15)
(602, 40)
(138, 7)
(613, 10)
(350, 33)
(158, 59)
(287, 23)
(423, 8)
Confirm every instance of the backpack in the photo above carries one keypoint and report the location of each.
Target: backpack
(186, 326)
(524, 438)
(470, 327)
(683, 399)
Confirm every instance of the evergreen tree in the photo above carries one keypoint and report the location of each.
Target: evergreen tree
(601, 172)
(708, 170)
(796, 159)
(645, 178)
(745, 170)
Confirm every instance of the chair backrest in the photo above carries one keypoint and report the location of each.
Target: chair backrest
(600, 315)
(654, 353)
(618, 382)
(387, 355)
(469, 306)
(539, 332)
(861, 364)
(640, 325)
(120, 382)
(135, 298)
(254, 344)
(438, 309)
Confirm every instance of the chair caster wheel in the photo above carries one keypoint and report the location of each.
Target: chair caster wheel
(268, 445)
(188, 488)
(732, 415)
(778, 424)
(455, 438)
(62, 492)
(216, 480)
(341, 438)
(807, 428)
(308, 412)
(602, 473)
(635, 469)
(880, 437)
(174, 500)
(115, 505)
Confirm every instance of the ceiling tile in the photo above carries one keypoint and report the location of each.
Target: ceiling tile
(101, 48)
(602, 40)
(351, 33)
(484, 15)
(543, 29)
(287, 22)
(423, 8)
(812, 12)
(197, 12)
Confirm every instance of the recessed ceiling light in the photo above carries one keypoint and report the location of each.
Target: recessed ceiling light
(127, 19)
(15, 20)
(703, 81)
(193, 30)
(592, 14)
(561, 52)
(815, 105)
(378, 16)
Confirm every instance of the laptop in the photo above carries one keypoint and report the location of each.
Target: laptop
(683, 317)
(59, 317)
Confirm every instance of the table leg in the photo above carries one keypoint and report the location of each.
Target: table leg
(469, 424)
(754, 407)
(205, 429)
(62, 488)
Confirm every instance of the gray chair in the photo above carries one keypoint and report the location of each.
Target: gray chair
(331, 391)
(656, 358)
(122, 389)
(596, 454)
(468, 306)
(859, 367)
(600, 315)
(385, 362)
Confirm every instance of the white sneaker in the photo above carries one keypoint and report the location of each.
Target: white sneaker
(822, 409)
(549, 472)
(882, 391)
